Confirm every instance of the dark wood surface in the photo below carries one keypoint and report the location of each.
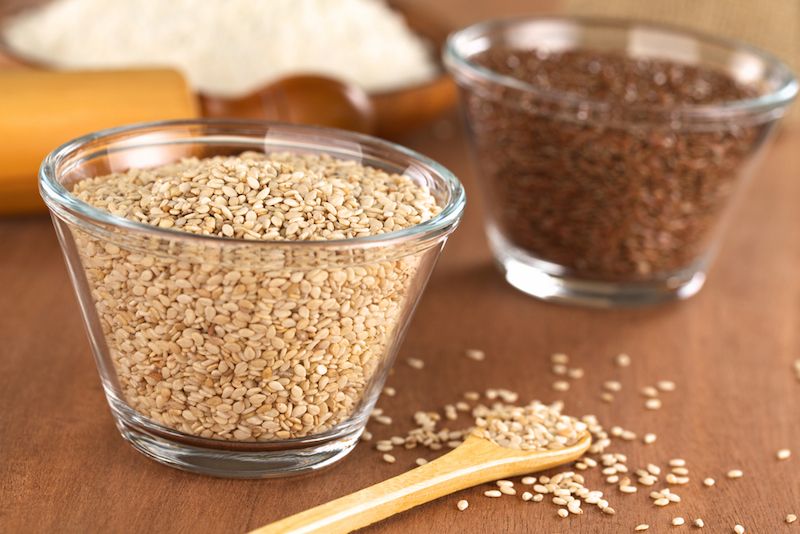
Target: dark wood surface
(63, 466)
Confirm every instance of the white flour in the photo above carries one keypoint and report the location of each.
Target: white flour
(229, 47)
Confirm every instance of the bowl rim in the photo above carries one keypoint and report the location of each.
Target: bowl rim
(63, 203)
(459, 64)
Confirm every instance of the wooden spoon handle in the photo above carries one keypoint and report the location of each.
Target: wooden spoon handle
(474, 462)
(452, 472)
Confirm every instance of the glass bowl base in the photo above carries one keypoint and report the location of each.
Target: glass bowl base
(241, 460)
(550, 282)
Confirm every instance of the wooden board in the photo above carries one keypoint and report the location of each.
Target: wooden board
(63, 466)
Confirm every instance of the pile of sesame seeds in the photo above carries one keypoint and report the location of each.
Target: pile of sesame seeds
(570, 490)
(269, 343)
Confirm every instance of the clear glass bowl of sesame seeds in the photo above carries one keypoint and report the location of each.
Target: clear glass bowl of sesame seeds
(611, 151)
(245, 286)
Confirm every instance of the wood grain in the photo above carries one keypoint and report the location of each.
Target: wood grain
(63, 466)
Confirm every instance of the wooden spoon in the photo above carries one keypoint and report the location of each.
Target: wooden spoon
(474, 462)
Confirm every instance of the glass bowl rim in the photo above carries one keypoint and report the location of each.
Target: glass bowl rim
(59, 199)
(458, 62)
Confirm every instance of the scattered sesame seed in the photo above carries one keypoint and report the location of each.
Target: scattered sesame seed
(462, 505)
(528, 481)
(791, 518)
(642, 527)
(538, 497)
(680, 471)
(606, 397)
(783, 454)
(575, 374)
(608, 510)
(677, 462)
(612, 385)
(527, 495)
(663, 501)
(649, 391)
(678, 521)
(415, 363)
(389, 391)
(652, 404)
(493, 493)
(665, 385)
(563, 359)
(559, 369)
(649, 438)
(389, 459)
(622, 360)
(735, 473)
(708, 482)
(507, 490)
(420, 461)
(563, 512)
(472, 395)
(476, 354)
(699, 523)
(504, 483)
(738, 529)
(628, 489)
(561, 385)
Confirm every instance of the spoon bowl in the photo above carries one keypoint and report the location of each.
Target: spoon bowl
(476, 461)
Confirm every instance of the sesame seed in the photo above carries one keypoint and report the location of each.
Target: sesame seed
(420, 461)
(642, 527)
(561, 385)
(678, 521)
(649, 438)
(680, 471)
(652, 404)
(606, 397)
(476, 354)
(609, 510)
(677, 462)
(699, 523)
(560, 358)
(738, 529)
(791, 518)
(462, 505)
(415, 363)
(563, 512)
(527, 496)
(783, 454)
(389, 391)
(708, 482)
(575, 374)
(538, 497)
(665, 385)
(493, 493)
(735, 473)
(389, 459)
(628, 489)
(661, 502)
(528, 481)
(559, 369)
(649, 391)
(504, 483)
(612, 385)
(622, 360)
(507, 490)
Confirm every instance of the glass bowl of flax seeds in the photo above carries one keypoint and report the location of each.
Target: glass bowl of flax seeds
(610, 152)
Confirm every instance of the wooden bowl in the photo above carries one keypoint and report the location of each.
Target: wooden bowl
(324, 101)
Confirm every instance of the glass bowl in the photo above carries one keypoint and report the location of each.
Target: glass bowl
(596, 202)
(233, 357)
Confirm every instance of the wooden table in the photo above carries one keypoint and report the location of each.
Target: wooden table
(63, 466)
